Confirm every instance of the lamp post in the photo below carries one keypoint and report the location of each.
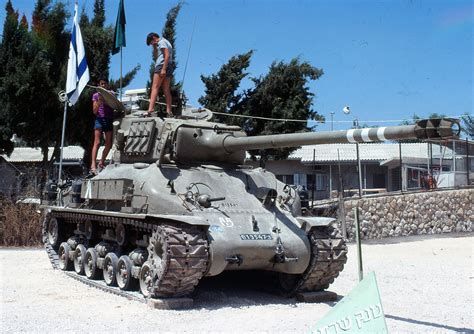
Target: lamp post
(332, 120)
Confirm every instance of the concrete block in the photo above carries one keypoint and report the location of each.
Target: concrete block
(170, 303)
(316, 297)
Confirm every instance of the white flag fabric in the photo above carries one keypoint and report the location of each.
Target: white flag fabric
(77, 70)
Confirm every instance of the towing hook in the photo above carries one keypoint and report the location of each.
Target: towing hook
(236, 259)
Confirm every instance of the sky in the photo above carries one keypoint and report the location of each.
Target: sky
(386, 59)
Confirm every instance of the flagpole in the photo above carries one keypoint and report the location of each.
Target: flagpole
(77, 77)
(62, 143)
(120, 73)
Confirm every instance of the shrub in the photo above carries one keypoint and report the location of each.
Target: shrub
(20, 224)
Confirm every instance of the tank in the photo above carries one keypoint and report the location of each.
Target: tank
(177, 204)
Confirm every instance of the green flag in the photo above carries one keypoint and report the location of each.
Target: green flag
(359, 312)
(119, 35)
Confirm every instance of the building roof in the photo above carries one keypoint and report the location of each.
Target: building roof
(30, 154)
(376, 152)
(368, 152)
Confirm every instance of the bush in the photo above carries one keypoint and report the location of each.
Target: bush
(20, 224)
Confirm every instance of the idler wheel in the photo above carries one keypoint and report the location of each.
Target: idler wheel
(89, 229)
(125, 280)
(90, 264)
(120, 234)
(65, 262)
(53, 231)
(110, 269)
(79, 257)
(146, 279)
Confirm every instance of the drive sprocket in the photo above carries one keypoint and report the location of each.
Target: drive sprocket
(179, 256)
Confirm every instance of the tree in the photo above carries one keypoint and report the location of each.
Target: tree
(282, 93)
(98, 40)
(49, 31)
(221, 88)
(169, 33)
(10, 27)
(33, 72)
(25, 93)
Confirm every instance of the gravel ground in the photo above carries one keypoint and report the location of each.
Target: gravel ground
(426, 285)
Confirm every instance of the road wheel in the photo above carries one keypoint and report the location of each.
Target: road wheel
(65, 262)
(90, 264)
(79, 257)
(110, 269)
(146, 279)
(125, 280)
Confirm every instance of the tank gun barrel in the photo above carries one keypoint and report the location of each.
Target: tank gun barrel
(440, 128)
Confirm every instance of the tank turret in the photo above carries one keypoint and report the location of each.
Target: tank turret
(193, 139)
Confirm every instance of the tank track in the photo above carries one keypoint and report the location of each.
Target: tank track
(328, 256)
(186, 262)
(185, 251)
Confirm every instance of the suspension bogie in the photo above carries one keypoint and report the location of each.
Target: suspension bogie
(119, 253)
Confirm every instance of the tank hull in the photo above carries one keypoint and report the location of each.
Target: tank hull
(129, 209)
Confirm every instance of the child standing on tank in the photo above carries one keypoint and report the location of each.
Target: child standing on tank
(163, 52)
(103, 125)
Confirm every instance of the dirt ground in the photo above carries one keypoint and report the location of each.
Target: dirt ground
(426, 285)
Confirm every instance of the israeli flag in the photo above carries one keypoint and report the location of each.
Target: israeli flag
(77, 70)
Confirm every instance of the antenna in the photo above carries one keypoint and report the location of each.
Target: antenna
(187, 58)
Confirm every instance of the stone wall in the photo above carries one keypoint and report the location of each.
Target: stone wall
(441, 211)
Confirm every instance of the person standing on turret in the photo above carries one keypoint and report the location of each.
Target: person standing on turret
(162, 51)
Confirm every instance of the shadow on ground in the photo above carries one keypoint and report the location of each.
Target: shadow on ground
(431, 324)
(239, 289)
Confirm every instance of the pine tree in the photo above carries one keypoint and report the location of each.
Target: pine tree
(221, 88)
(282, 93)
(49, 31)
(169, 33)
(10, 27)
(33, 66)
(97, 39)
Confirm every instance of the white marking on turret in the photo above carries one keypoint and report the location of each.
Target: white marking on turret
(350, 136)
(365, 135)
(381, 133)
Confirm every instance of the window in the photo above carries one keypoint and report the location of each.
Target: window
(319, 181)
(288, 179)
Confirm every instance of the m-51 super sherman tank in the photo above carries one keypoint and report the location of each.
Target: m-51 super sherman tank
(177, 204)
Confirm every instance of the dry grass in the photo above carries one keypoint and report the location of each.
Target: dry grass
(19, 224)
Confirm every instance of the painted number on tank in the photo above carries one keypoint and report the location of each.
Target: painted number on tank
(255, 237)
(226, 222)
